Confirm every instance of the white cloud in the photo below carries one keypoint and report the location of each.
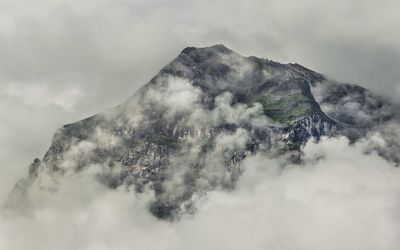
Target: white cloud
(178, 94)
(339, 199)
(345, 202)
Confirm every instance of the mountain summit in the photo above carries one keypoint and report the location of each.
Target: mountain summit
(187, 130)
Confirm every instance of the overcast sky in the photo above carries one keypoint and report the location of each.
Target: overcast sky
(63, 60)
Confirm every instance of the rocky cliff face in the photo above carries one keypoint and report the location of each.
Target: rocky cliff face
(198, 118)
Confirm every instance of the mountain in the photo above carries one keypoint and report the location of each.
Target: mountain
(188, 129)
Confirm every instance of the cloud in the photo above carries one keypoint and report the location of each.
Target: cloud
(175, 93)
(339, 198)
(385, 142)
(344, 200)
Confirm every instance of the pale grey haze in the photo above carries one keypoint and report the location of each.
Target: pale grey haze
(61, 61)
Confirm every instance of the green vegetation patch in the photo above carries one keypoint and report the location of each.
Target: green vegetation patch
(286, 108)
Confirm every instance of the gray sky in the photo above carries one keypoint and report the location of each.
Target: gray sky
(61, 60)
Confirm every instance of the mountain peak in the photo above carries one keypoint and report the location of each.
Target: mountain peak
(219, 48)
(202, 96)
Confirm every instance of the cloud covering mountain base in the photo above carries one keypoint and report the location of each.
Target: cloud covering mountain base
(339, 198)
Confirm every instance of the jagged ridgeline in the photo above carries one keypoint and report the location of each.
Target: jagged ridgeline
(187, 130)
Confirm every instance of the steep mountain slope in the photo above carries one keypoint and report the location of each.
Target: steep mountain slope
(187, 130)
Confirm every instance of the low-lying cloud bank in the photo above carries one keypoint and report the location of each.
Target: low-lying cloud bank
(339, 198)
